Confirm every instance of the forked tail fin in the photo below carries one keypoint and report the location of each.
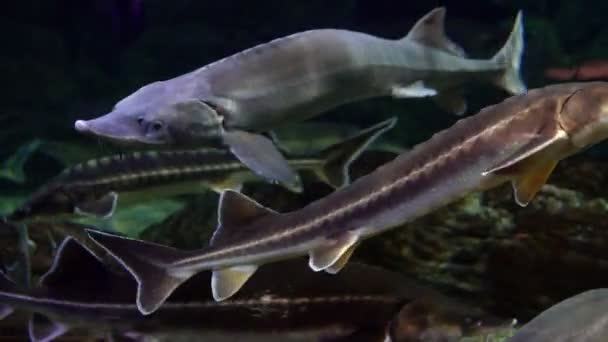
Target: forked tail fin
(338, 157)
(148, 263)
(510, 56)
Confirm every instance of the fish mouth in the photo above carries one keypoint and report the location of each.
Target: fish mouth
(120, 138)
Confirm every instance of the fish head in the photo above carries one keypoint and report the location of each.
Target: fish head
(126, 124)
(156, 115)
(187, 123)
(584, 114)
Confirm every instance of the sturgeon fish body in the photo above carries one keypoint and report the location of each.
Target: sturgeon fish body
(96, 187)
(519, 140)
(79, 291)
(579, 318)
(231, 101)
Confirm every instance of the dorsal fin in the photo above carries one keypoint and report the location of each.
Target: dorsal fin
(430, 31)
(236, 211)
(76, 272)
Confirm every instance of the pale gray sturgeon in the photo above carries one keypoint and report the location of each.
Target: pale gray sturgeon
(98, 185)
(231, 101)
(79, 292)
(581, 318)
(519, 140)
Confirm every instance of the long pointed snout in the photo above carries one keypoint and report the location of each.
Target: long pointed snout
(114, 127)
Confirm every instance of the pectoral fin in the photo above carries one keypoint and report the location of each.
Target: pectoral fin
(416, 89)
(43, 329)
(325, 257)
(226, 184)
(533, 146)
(262, 157)
(103, 207)
(531, 177)
(339, 265)
(531, 164)
(227, 281)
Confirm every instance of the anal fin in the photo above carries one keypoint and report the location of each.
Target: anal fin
(226, 282)
(530, 179)
(324, 257)
(416, 89)
(103, 207)
(260, 154)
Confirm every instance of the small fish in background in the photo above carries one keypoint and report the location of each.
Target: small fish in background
(81, 292)
(12, 168)
(595, 69)
(96, 187)
(230, 102)
(19, 265)
(581, 318)
(519, 141)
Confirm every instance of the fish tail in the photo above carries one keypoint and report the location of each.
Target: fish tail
(510, 56)
(148, 263)
(338, 157)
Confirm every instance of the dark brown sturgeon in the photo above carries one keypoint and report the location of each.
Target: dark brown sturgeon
(519, 140)
(80, 292)
(231, 101)
(98, 185)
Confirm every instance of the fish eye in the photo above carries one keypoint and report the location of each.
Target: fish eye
(140, 120)
(157, 125)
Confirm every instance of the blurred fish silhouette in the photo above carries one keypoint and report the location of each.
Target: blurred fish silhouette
(519, 141)
(230, 102)
(581, 318)
(12, 168)
(95, 187)
(80, 291)
(595, 69)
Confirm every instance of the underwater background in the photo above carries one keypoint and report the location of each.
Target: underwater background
(64, 60)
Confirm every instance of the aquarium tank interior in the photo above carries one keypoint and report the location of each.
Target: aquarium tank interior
(346, 170)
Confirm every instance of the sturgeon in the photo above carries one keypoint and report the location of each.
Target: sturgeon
(94, 187)
(81, 292)
(580, 318)
(230, 102)
(519, 140)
